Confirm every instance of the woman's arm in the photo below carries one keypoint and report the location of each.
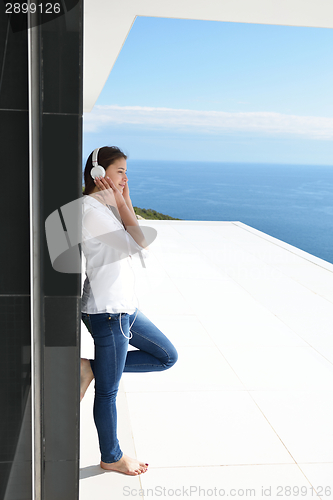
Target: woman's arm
(131, 224)
(128, 200)
(130, 206)
(125, 209)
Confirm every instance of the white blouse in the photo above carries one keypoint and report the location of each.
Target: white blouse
(108, 249)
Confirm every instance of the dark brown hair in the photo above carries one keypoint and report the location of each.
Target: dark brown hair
(106, 156)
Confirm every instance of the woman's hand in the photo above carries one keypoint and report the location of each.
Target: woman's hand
(108, 193)
(126, 194)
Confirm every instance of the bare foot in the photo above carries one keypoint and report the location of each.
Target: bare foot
(86, 376)
(126, 465)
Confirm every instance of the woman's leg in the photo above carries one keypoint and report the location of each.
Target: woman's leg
(87, 365)
(156, 352)
(110, 355)
(87, 375)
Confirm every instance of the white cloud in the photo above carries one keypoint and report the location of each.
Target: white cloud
(213, 122)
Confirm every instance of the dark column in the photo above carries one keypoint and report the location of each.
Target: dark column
(59, 182)
(15, 380)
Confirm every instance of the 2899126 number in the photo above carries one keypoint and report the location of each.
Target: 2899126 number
(287, 491)
(24, 8)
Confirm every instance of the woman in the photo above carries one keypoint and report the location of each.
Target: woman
(110, 236)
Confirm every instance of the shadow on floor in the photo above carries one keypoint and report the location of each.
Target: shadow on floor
(90, 471)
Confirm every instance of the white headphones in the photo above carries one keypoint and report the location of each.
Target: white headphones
(97, 170)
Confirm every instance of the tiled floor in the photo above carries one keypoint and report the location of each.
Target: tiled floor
(248, 408)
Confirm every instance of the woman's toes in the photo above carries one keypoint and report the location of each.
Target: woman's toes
(126, 465)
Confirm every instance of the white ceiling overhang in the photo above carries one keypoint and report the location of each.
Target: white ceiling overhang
(108, 22)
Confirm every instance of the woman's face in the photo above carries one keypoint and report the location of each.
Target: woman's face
(117, 173)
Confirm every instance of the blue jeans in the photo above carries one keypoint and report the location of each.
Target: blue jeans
(112, 358)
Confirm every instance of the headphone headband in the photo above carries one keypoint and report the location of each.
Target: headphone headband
(97, 170)
(94, 157)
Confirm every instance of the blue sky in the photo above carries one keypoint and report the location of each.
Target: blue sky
(204, 90)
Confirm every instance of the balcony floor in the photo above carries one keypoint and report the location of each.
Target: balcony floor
(249, 404)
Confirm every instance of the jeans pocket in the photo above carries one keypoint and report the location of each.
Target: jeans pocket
(113, 316)
(86, 321)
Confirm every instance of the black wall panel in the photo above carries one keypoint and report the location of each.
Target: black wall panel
(14, 201)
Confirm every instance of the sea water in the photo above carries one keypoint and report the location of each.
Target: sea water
(293, 203)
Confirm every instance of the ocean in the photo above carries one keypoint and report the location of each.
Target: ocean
(293, 203)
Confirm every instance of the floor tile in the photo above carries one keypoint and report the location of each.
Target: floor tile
(247, 324)
(96, 483)
(306, 313)
(321, 477)
(280, 368)
(246, 481)
(182, 265)
(202, 429)
(199, 368)
(303, 421)
(210, 296)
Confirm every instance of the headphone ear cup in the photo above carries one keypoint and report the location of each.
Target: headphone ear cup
(97, 171)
